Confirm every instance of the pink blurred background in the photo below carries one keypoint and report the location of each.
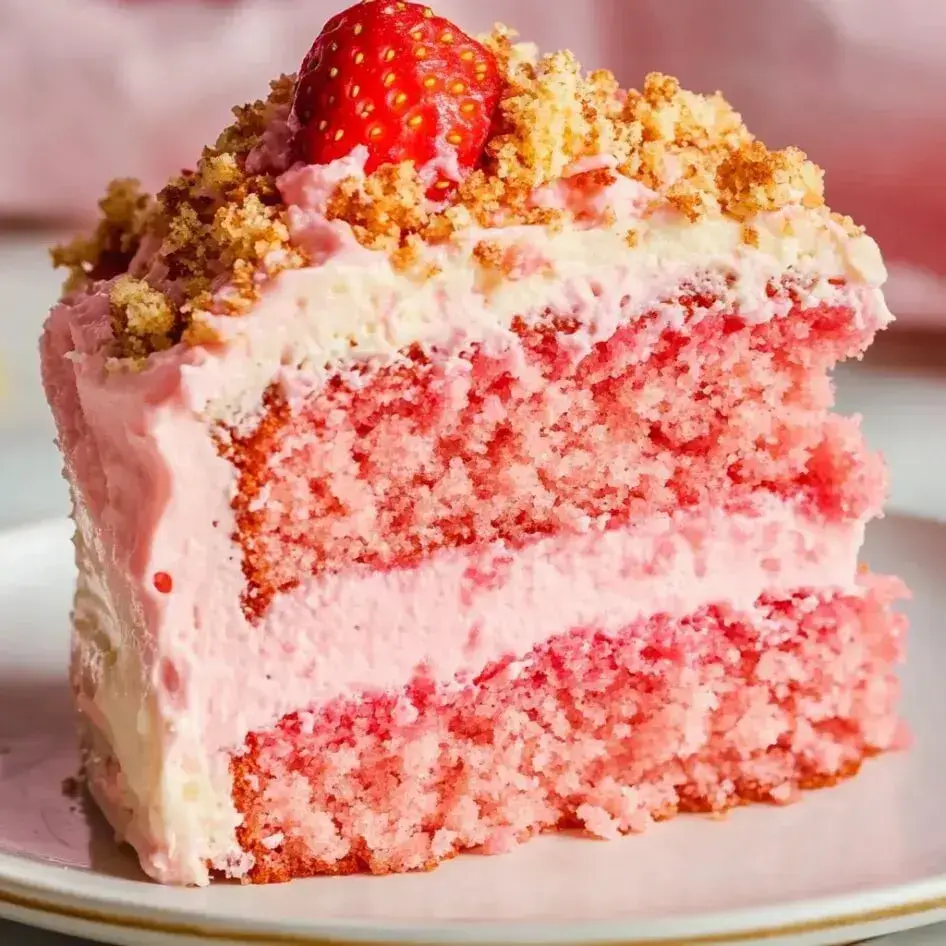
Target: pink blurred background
(93, 89)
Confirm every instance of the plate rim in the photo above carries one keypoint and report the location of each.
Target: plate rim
(909, 906)
(45, 894)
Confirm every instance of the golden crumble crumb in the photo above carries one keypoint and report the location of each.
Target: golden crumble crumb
(247, 231)
(407, 256)
(110, 247)
(200, 332)
(750, 236)
(851, 228)
(409, 260)
(489, 253)
(143, 320)
(441, 226)
(549, 217)
(495, 265)
(679, 140)
(383, 208)
(755, 180)
(608, 217)
(499, 41)
(251, 120)
(632, 238)
(595, 181)
(544, 123)
(484, 197)
(693, 201)
(217, 172)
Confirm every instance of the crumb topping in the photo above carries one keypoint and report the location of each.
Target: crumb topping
(383, 208)
(225, 224)
(750, 235)
(846, 224)
(140, 315)
(219, 222)
(225, 220)
(109, 249)
(755, 180)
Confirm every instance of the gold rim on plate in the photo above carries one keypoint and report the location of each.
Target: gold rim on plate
(839, 922)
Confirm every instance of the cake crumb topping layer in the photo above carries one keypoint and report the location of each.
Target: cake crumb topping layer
(214, 235)
(383, 208)
(755, 180)
(141, 315)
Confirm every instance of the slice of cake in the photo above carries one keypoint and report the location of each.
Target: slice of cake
(452, 461)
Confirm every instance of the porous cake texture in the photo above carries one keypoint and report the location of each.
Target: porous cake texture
(452, 460)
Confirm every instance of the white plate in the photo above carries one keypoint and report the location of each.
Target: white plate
(862, 859)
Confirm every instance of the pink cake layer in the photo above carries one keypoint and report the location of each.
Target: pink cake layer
(602, 732)
(548, 436)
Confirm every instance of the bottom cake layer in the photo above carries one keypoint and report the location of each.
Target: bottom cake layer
(606, 733)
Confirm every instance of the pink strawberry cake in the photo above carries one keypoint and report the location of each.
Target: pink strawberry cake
(452, 461)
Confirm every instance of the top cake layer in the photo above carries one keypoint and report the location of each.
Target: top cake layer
(574, 171)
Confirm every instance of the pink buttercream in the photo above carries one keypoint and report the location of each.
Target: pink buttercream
(306, 189)
(624, 197)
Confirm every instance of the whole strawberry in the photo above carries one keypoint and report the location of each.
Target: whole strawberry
(407, 84)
